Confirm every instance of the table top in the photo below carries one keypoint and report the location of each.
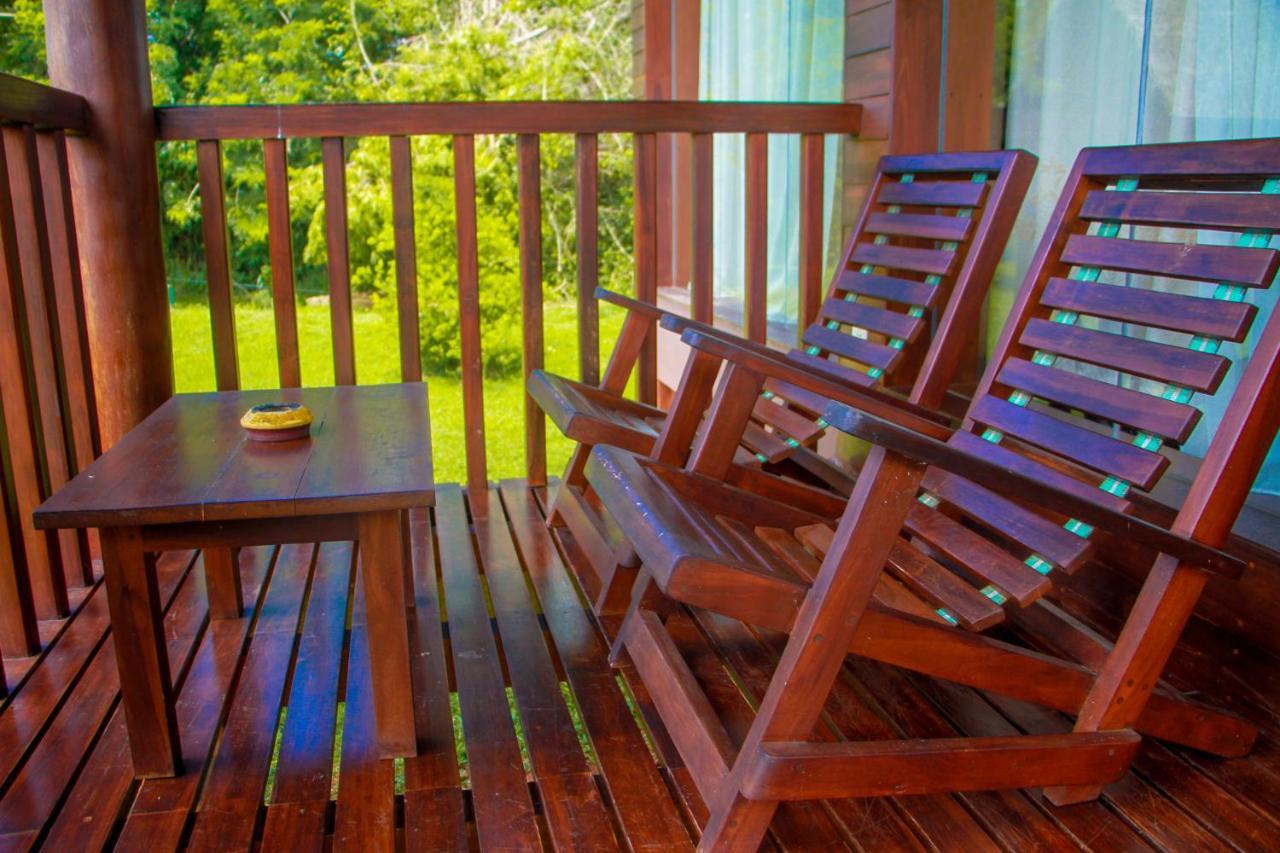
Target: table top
(370, 449)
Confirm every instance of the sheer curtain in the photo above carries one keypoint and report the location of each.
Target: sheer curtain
(768, 50)
(1111, 72)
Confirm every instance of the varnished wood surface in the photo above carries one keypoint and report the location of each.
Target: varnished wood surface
(369, 449)
(64, 759)
(269, 121)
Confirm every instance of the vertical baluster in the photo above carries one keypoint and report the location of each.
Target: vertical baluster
(812, 237)
(530, 189)
(588, 234)
(703, 296)
(68, 297)
(29, 582)
(335, 227)
(464, 188)
(42, 329)
(406, 259)
(280, 247)
(217, 260)
(646, 249)
(755, 300)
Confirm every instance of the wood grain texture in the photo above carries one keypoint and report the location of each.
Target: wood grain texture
(323, 120)
(530, 200)
(45, 107)
(756, 266)
(703, 178)
(587, 233)
(339, 264)
(646, 257)
(464, 190)
(406, 259)
(280, 249)
(369, 450)
(217, 258)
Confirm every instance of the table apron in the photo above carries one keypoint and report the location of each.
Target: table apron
(250, 531)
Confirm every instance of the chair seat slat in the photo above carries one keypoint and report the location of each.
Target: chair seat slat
(1194, 315)
(1011, 520)
(1149, 359)
(981, 557)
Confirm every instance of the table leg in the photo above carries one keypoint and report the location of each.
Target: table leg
(222, 581)
(133, 598)
(382, 566)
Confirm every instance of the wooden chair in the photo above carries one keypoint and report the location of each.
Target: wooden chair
(948, 532)
(930, 236)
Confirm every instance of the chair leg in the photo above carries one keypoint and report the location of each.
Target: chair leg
(824, 628)
(1126, 680)
(573, 478)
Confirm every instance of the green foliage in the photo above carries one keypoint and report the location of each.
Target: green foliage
(295, 51)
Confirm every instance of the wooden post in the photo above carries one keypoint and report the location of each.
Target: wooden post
(98, 49)
(917, 76)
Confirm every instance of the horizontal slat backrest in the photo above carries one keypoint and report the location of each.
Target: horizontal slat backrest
(923, 248)
(1096, 371)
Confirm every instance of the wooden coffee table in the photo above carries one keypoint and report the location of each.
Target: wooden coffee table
(188, 477)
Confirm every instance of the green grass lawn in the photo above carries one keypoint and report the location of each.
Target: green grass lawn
(378, 360)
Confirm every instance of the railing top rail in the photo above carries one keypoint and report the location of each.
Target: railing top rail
(26, 102)
(405, 119)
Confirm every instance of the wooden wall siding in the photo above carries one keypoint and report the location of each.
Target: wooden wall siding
(50, 426)
(691, 124)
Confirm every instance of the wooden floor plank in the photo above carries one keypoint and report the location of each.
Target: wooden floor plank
(232, 795)
(69, 785)
(34, 792)
(23, 717)
(365, 815)
(305, 765)
(575, 814)
(872, 823)
(646, 812)
(90, 812)
(500, 793)
(434, 812)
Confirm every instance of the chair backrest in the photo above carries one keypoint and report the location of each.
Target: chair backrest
(916, 269)
(1097, 370)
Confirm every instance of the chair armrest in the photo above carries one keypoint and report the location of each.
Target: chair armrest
(634, 305)
(1012, 484)
(774, 365)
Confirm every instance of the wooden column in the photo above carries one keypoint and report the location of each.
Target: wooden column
(916, 77)
(98, 49)
(658, 79)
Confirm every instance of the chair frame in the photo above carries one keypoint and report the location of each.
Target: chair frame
(612, 561)
(1112, 702)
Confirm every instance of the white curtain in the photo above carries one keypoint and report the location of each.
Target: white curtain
(768, 50)
(1112, 72)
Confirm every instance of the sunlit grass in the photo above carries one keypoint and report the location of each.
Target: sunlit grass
(378, 360)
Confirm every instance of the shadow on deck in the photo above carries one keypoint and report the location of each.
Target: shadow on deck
(276, 716)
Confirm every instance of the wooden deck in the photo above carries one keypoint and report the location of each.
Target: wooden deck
(499, 625)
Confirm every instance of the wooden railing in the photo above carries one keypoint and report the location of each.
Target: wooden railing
(208, 127)
(50, 427)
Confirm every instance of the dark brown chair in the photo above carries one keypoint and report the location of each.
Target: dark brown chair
(974, 525)
(929, 238)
